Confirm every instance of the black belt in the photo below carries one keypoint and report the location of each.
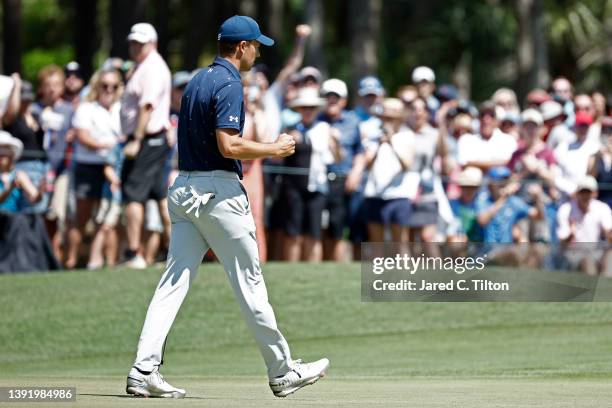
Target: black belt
(149, 135)
(156, 134)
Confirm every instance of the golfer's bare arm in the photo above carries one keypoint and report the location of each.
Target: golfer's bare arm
(232, 146)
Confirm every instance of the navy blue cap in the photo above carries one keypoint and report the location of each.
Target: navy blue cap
(242, 28)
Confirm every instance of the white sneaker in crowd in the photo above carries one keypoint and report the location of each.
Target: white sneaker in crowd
(136, 262)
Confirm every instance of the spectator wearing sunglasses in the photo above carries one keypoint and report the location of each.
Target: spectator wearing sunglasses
(97, 126)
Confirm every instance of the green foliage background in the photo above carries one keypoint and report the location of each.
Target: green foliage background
(440, 33)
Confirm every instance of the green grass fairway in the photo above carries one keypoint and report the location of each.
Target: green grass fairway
(81, 329)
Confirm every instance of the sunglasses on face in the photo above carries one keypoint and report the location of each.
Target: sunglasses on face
(109, 87)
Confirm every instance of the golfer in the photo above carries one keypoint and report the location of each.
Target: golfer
(209, 208)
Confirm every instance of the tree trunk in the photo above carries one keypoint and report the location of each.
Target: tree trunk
(201, 29)
(85, 17)
(11, 20)
(124, 14)
(462, 74)
(162, 17)
(364, 33)
(532, 56)
(272, 25)
(248, 8)
(314, 50)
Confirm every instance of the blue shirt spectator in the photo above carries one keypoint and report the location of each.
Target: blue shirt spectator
(499, 228)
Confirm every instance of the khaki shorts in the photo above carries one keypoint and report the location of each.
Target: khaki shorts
(108, 213)
(153, 220)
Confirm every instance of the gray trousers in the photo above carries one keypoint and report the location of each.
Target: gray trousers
(211, 210)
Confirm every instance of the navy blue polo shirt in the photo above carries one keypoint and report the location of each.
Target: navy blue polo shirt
(213, 99)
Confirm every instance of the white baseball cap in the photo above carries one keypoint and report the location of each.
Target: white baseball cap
(310, 72)
(532, 115)
(142, 33)
(550, 110)
(423, 73)
(15, 144)
(336, 86)
(587, 183)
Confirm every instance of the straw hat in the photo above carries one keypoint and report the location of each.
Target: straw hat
(307, 97)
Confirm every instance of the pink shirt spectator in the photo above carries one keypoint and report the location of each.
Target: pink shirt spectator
(589, 226)
(150, 84)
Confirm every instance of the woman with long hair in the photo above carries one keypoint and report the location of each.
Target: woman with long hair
(97, 126)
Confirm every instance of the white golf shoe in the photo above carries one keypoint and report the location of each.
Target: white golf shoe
(151, 385)
(301, 375)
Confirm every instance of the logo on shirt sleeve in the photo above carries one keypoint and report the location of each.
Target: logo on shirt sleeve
(233, 118)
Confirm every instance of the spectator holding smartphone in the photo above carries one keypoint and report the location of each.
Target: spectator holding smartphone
(390, 187)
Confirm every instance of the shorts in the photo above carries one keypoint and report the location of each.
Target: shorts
(88, 181)
(574, 256)
(303, 214)
(357, 219)
(108, 213)
(395, 211)
(143, 178)
(337, 205)
(153, 220)
(423, 213)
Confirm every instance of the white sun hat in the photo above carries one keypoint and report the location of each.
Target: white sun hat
(15, 144)
(307, 97)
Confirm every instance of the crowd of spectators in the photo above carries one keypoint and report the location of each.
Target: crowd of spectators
(423, 164)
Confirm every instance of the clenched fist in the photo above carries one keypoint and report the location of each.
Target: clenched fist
(285, 145)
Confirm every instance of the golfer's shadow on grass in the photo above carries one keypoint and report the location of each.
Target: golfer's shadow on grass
(133, 397)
